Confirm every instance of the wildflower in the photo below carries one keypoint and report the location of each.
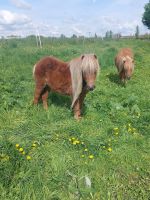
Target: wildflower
(104, 147)
(129, 124)
(70, 140)
(34, 145)
(77, 142)
(73, 138)
(23, 153)
(17, 145)
(109, 149)
(85, 149)
(20, 149)
(116, 129)
(82, 142)
(91, 156)
(82, 156)
(28, 157)
(116, 133)
(74, 142)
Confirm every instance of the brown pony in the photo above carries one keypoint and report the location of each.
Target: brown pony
(125, 63)
(74, 78)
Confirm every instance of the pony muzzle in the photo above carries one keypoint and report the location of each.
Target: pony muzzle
(91, 88)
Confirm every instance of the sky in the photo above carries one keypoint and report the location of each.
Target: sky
(68, 17)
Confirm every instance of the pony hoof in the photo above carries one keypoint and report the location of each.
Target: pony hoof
(78, 118)
(46, 108)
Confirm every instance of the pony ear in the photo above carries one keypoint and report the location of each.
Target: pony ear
(76, 78)
(82, 57)
(95, 56)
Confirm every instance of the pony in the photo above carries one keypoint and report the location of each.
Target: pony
(74, 78)
(124, 62)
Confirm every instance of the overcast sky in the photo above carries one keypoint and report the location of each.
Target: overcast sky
(80, 17)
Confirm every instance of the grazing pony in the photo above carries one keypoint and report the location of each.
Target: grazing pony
(74, 78)
(125, 63)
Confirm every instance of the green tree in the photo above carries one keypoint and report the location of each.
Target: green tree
(137, 32)
(146, 15)
(110, 34)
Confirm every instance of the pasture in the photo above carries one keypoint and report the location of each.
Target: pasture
(106, 155)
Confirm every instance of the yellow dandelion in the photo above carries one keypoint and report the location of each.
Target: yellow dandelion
(74, 143)
(23, 153)
(17, 145)
(70, 139)
(73, 138)
(82, 156)
(34, 145)
(20, 149)
(109, 149)
(91, 156)
(116, 133)
(28, 157)
(82, 142)
(77, 142)
(85, 149)
(116, 129)
(129, 124)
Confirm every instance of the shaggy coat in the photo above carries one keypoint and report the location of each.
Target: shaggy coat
(125, 63)
(74, 78)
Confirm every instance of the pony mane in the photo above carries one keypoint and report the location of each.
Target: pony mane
(86, 63)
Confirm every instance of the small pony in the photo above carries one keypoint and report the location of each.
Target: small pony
(125, 63)
(74, 78)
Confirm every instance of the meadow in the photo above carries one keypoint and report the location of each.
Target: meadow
(47, 154)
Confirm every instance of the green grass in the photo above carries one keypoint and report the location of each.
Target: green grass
(120, 168)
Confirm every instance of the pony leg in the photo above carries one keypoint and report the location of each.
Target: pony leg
(44, 98)
(122, 76)
(81, 98)
(37, 93)
(76, 109)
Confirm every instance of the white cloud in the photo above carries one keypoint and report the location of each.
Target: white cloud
(10, 18)
(21, 4)
(12, 23)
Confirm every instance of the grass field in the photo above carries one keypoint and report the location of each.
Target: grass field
(104, 156)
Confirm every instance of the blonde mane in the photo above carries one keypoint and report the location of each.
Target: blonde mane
(86, 63)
